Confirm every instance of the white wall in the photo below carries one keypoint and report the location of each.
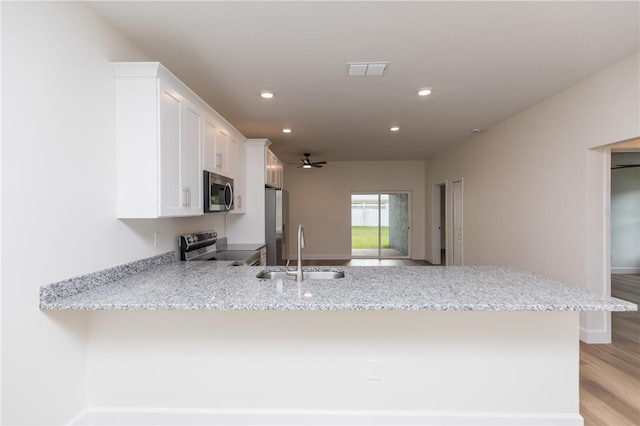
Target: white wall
(58, 190)
(625, 214)
(531, 182)
(320, 199)
(448, 363)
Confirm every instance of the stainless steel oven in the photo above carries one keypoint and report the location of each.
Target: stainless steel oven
(204, 246)
(218, 193)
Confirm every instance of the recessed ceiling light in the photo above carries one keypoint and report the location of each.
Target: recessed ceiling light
(266, 94)
(476, 130)
(394, 128)
(425, 91)
(286, 130)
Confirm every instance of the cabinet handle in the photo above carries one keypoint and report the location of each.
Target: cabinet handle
(184, 197)
(239, 197)
(219, 161)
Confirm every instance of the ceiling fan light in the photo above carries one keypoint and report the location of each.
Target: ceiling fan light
(306, 166)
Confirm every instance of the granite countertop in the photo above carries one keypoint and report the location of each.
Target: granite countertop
(172, 285)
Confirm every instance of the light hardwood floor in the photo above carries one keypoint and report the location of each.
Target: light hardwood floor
(610, 374)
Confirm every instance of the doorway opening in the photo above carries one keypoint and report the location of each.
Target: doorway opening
(439, 230)
(380, 225)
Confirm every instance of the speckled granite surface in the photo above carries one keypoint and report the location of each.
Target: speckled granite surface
(218, 286)
(70, 287)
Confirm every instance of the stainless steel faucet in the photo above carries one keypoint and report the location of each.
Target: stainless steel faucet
(298, 272)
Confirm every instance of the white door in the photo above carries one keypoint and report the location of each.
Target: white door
(457, 222)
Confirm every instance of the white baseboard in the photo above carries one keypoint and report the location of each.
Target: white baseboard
(190, 417)
(622, 270)
(595, 336)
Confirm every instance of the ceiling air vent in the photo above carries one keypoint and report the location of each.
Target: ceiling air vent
(360, 69)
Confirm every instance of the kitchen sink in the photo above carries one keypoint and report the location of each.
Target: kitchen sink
(308, 275)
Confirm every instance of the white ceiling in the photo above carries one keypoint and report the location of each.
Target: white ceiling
(485, 61)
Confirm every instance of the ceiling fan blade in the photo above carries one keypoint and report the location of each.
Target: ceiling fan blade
(319, 162)
(624, 166)
(316, 165)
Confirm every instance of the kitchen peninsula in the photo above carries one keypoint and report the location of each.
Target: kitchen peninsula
(401, 345)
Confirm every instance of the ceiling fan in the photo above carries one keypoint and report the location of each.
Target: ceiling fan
(307, 164)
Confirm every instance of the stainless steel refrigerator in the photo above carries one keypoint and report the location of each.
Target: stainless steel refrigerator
(277, 225)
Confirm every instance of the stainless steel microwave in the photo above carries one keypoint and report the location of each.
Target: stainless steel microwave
(218, 193)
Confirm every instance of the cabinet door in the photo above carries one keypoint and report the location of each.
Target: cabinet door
(191, 158)
(231, 156)
(280, 174)
(172, 194)
(240, 180)
(222, 152)
(210, 130)
(271, 169)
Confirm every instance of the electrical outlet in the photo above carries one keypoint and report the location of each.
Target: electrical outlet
(375, 369)
(156, 239)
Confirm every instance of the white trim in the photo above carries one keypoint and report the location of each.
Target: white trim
(595, 336)
(623, 270)
(179, 416)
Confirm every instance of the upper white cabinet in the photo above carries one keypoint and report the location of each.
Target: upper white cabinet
(239, 151)
(166, 136)
(218, 155)
(159, 136)
(273, 171)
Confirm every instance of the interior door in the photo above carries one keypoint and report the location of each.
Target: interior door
(457, 206)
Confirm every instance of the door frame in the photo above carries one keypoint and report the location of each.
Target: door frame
(595, 327)
(409, 217)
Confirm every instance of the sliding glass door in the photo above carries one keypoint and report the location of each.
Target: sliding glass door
(380, 225)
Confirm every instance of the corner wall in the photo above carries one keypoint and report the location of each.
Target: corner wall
(532, 181)
(58, 191)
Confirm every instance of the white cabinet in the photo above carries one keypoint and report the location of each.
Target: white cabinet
(159, 138)
(180, 155)
(222, 152)
(240, 179)
(273, 170)
(210, 130)
(218, 157)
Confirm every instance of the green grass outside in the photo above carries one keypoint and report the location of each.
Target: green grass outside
(366, 237)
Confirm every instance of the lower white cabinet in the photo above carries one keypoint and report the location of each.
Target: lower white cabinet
(159, 137)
